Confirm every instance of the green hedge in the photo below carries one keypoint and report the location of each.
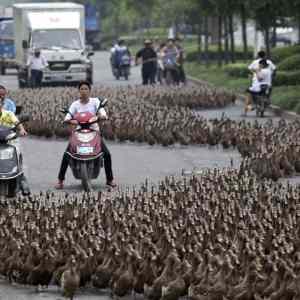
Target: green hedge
(287, 78)
(287, 97)
(280, 53)
(291, 63)
(213, 55)
(237, 70)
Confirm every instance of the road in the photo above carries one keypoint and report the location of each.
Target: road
(132, 163)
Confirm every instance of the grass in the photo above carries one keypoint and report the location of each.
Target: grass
(286, 97)
(216, 76)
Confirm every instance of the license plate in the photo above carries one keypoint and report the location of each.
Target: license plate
(84, 150)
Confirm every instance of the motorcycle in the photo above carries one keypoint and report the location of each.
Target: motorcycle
(11, 162)
(123, 69)
(262, 100)
(85, 150)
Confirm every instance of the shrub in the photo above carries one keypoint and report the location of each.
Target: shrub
(213, 55)
(281, 53)
(237, 70)
(291, 63)
(287, 78)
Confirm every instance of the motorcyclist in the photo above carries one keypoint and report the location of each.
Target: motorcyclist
(262, 76)
(8, 104)
(9, 119)
(113, 49)
(86, 104)
(120, 52)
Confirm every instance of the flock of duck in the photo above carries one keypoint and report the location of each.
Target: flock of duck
(222, 234)
(142, 114)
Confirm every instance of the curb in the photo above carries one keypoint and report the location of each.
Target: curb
(278, 111)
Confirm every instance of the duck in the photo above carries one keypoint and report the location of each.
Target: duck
(70, 279)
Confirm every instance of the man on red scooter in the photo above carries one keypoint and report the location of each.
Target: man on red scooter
(86, 104)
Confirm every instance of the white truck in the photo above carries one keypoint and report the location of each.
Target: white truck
(58, 30)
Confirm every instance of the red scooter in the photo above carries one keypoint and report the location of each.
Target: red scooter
(85, 151)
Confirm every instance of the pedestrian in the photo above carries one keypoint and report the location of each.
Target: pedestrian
(37, 63)
(180, 61)
(8, 104)
(160, 63)
(148, 58)
(170, 55)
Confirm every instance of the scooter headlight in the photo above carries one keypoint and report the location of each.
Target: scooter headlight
(7, 153)
(11, 136)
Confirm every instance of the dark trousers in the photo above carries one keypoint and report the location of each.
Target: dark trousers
(107, 164)
(36, 78)
(181, 74)
(148, 75)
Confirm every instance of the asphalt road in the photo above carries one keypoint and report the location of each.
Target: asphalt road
(132, 163)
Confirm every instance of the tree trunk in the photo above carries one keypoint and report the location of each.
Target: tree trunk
(231, 34)
(244, 31)
(220, 52)
(299, 29)
(267, 41)
(226, 41)
(274, 36)
(206, 58)
(199, 36)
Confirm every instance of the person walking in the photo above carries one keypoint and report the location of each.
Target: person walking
(148, 58)
(37, 63)
(180, 61)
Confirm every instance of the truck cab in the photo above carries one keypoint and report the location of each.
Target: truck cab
(58, 30)
(7, 46)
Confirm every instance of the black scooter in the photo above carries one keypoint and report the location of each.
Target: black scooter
(12, 178)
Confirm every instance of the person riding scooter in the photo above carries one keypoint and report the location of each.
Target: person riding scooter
(86, 104)
(262, 77)
(8, 103)
(122, 60)
(8, 119)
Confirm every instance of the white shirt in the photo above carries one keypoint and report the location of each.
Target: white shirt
(255, 64)
(91, 106)
(264, 77)
(37, 63)
(114, 48)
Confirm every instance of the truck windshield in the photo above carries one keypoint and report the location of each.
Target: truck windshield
(61, 38)
(6, 29)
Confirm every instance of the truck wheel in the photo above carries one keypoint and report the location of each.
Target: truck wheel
(3, 70)
(12, 188)
(85, 181)
(3, 188)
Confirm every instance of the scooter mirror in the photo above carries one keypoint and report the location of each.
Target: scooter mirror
(103, 102)
(64, 110)
(19, 109)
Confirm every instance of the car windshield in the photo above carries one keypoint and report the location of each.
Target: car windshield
(6, 29)
(56, 38)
